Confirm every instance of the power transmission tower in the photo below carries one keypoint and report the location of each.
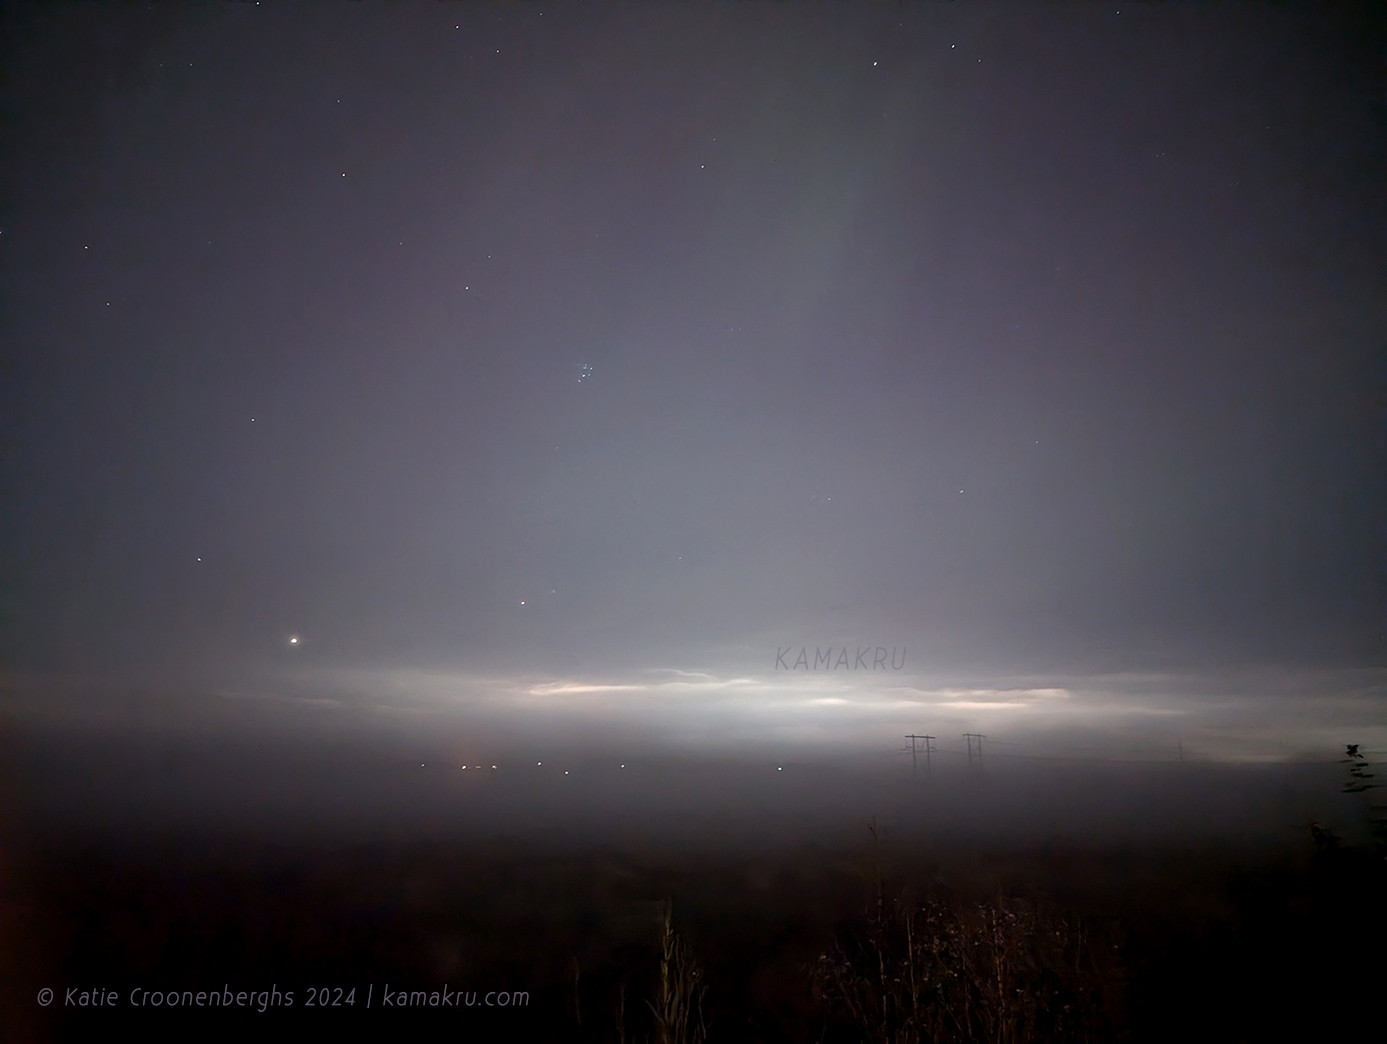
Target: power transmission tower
(928, 748)
(974, 744)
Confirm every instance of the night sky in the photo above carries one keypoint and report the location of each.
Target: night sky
(537, 357)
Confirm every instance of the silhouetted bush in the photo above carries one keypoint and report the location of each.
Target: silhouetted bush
(1003, 971)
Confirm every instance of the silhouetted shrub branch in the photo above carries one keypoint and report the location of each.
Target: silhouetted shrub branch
(1003, 971)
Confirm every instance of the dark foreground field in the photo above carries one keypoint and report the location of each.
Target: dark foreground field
(939, 920)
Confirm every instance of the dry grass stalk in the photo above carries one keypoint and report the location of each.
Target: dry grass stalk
(679, 1010)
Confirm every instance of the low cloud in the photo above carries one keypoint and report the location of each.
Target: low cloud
(1250, 716)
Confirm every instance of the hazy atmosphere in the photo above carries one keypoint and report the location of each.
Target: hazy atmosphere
(666, 412)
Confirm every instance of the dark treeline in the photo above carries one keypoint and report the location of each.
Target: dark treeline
(882, 942)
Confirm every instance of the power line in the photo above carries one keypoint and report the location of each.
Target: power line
(974, 744)
(929, 748)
